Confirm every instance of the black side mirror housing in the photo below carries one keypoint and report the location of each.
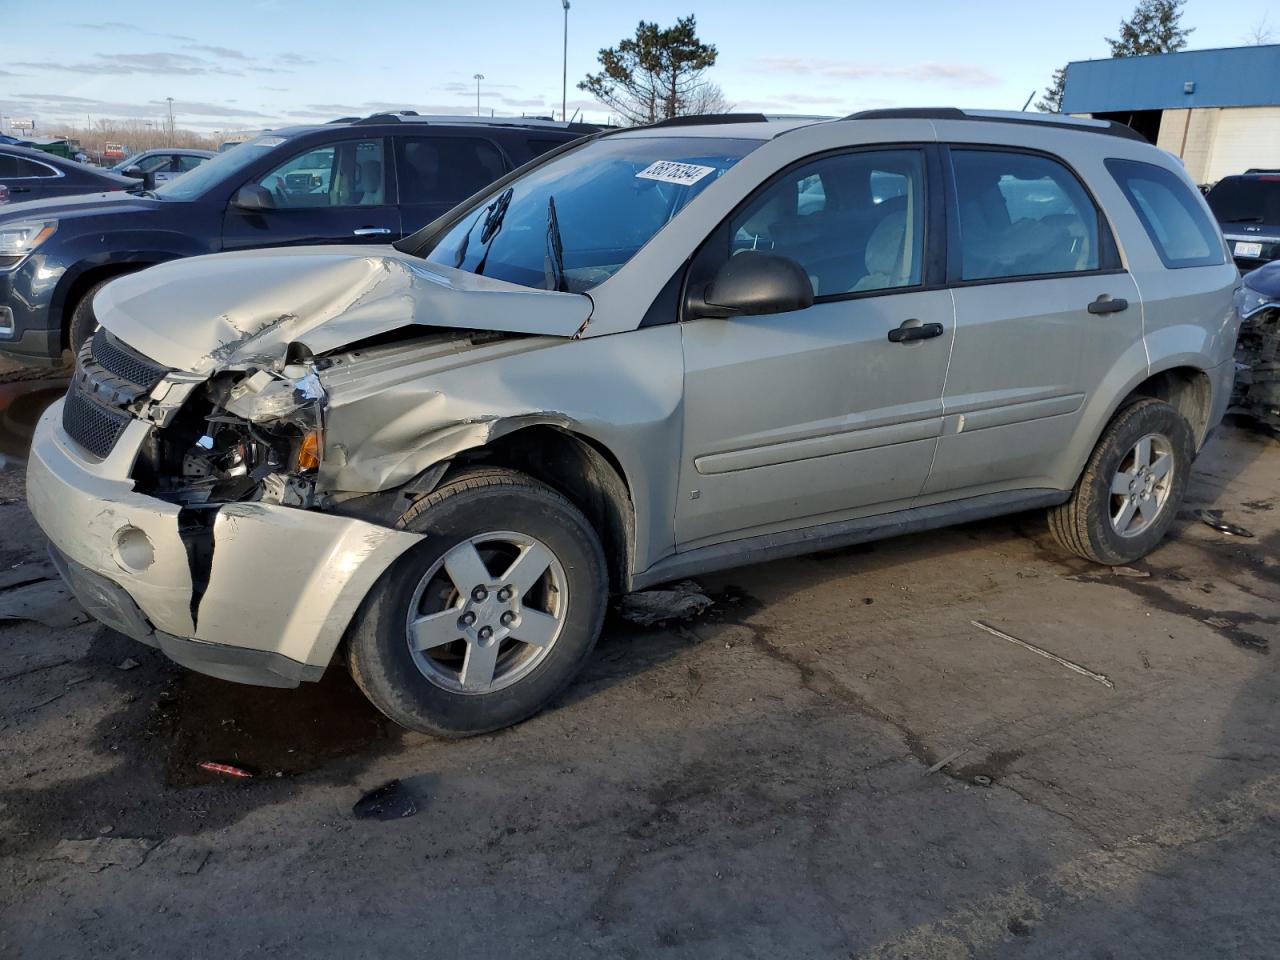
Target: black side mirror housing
(253, 197)
(137, 173)
(751, 284)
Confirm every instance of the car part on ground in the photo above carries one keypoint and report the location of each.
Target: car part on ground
(449, 452)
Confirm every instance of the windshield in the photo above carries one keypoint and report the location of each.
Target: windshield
(191, 185)
(1246, 200)
(607, 199)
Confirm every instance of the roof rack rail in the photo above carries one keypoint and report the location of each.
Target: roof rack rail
(1108, 128)
(697, 119)
(344, 120)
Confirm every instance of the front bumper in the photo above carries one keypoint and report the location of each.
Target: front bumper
(269, 604)
(27, 290)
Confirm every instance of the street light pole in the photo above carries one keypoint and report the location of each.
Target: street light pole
(171, 131)
(564, 76)
(479, 77)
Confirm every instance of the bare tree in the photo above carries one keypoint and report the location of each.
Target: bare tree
(707, 97)
(1260, 34)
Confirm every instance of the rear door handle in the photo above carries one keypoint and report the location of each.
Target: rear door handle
(371, 231)
(1107, 304)
(921, 331)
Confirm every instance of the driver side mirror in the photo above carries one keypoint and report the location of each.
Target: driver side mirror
(253, 197)
(753, 283)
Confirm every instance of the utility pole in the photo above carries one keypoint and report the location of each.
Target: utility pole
(564, 76)
(479, 77)
(171, 131)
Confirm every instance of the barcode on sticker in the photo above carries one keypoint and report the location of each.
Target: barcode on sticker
(669, 171)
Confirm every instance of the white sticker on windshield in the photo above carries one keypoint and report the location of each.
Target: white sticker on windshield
(669, 171)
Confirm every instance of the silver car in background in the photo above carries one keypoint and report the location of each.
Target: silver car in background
(653, 353)
(164, 164)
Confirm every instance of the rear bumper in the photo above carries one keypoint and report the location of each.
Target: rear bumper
(259, 594)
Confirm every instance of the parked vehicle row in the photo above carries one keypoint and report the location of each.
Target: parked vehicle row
(645, 355)
(163, 164)
(28, 174)
(1248, 209)
(368, 181)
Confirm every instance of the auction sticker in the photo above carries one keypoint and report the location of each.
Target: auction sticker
(669, 171)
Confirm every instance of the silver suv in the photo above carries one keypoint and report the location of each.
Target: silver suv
(651, 353)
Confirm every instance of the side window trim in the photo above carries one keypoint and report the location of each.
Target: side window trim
(1108, 252)
(713, 250)
(54, 172)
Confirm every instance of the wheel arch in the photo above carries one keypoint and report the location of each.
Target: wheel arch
(1186, 388)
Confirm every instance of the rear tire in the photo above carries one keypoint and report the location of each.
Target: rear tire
(458, 638)
(83, 323)
(1131, 488)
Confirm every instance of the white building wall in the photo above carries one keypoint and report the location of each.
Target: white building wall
(1220, 141)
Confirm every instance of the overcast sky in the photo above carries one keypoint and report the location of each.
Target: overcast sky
(266, 63)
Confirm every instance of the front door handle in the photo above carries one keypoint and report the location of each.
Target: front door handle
(1108, 304)
(371, 231)
(914, 330)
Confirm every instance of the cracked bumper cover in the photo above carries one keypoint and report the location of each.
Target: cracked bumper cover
(283, 583)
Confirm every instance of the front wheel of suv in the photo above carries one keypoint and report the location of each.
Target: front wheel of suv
(490, 616)
(1129, 493)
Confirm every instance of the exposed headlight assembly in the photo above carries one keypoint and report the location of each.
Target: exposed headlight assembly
(21, 237)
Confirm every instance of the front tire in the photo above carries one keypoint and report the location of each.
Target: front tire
(487, 620)
(84, 323)
(1131, 488)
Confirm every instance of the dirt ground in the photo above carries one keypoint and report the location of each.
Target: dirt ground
(832, 762)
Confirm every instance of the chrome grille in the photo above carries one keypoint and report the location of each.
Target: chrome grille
(90, 424)
(124, 362)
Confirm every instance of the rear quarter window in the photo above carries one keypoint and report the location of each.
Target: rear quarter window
(1172, 215)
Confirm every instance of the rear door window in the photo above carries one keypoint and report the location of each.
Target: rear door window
(1021, 215)
(445, 169)
(20, 168)
(1173, 217)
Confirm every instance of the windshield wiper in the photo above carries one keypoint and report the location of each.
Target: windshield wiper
(492, 219)
(555, 251)
(1242, 220)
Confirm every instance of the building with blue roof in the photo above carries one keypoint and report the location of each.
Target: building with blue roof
(1219, 110)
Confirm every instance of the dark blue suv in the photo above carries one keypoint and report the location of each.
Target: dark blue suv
(370, 180)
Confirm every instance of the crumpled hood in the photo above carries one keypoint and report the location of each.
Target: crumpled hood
(237, 309)
(1265, 280)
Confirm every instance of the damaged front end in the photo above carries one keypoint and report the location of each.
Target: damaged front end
(244, 435)
(1257, 384)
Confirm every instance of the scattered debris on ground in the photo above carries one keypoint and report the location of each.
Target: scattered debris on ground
(128, 663)
(1042, 652)
(391, 801)
(677, 601)
(224, 768)
(102, 852)
(48, 602)
(1213, 518)
(1129, 572)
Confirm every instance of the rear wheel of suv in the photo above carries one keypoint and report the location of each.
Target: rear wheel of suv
(491, 616)
(1129, 493)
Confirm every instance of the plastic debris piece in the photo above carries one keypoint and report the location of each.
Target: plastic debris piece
(128, 663)
(223, 768)
(391, 801)
(1129, 572)
(678, 601)
(1042, 652)
(1213, 518)
(982, 780)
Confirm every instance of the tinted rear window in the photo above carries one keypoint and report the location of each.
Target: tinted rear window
(1172, 215)
(1246, 200)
